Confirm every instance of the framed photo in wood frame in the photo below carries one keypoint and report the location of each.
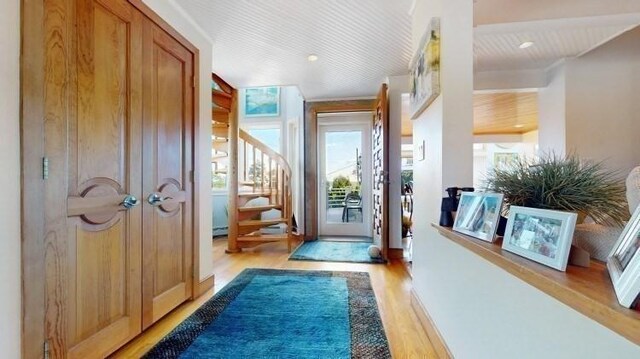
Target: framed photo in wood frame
(478, 214)
(541, 235)
(624, 263)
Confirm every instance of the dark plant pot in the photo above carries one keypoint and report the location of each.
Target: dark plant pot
(502, 226)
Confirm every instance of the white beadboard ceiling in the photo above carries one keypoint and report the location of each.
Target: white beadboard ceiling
(496, 46)
(360, 42)
(258, 43)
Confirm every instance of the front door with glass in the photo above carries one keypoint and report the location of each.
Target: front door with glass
(345, 177)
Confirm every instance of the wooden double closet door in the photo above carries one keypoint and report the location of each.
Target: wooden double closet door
(119, 118)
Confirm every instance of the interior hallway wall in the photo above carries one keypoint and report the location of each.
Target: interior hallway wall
(10, 272)
(398, 85)
(603, 103)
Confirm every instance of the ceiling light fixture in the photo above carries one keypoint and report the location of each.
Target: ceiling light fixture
(312, 58)
(518, 126)
(526, 44)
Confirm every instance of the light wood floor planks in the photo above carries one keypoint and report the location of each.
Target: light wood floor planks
(391, 283)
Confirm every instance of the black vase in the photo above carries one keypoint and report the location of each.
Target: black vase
(502, 226)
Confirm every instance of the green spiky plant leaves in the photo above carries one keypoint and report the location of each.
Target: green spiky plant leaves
(565, 184)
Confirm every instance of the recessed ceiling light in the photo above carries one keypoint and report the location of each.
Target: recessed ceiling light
(518, 126)
(312, 58)
(526, 44)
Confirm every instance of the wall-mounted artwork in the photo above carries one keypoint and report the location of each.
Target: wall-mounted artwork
(424, 72)
(505, 160)
(262, 102)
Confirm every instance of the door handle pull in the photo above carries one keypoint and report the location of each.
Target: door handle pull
(130, 202)
(155, 199)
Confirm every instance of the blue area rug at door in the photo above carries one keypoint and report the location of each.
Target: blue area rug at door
(266, 313)
(329, 251)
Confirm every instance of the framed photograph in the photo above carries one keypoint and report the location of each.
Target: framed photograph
(478, 215)
(624, 263)
(424, 72)
(541, 235)
(262, 102)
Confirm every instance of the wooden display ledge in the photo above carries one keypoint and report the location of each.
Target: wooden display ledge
(587, 290)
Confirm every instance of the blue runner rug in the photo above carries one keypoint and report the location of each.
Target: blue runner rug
(328, 251)
(267, 313)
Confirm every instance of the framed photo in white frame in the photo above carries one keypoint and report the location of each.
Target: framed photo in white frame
(478, 215)
(541, 235)
(624, 263)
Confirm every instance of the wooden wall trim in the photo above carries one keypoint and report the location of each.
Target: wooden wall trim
(395, 253)
(196, 168)
(203, 286)
(438, 343)
(32, 194)
(311, 111)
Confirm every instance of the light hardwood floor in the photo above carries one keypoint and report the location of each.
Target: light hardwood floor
(391, 283)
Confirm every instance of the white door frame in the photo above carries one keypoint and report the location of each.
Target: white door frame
(356, 121)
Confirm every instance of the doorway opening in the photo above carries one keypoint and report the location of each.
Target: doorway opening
(345, 176)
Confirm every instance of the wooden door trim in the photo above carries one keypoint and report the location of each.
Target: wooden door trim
(156, 19)
(312, 109)
(32, 65)
(32, 183)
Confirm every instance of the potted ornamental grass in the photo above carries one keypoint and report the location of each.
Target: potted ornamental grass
(564, 183)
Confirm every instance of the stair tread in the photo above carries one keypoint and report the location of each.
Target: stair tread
(259, 208)
(261, 222)
(221, 110)
(216, 158)
(255, 194)
(264, 238)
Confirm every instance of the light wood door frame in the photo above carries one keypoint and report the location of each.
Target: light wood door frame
(32, 115)
(312, 109)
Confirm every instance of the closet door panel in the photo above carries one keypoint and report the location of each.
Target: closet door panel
(168, 164)
(93, 137)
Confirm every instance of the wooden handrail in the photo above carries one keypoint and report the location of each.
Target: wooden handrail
(250, 140)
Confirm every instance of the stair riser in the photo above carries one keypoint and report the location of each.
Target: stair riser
(220, 116)
(243, 216)
(220, 131)
(221, 146)
(221, 101)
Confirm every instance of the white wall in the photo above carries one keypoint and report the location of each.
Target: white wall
(291, 114)
(509, 79)
(551, 113)
(446, 127)
(484, 312)
(603, 103)
(176, 17)
(10, 297)
(480, 310)
(398, 85)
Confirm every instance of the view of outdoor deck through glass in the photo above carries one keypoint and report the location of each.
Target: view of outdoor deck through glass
(343, 178)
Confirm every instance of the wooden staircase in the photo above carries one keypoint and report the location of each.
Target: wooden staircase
(259, 179)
